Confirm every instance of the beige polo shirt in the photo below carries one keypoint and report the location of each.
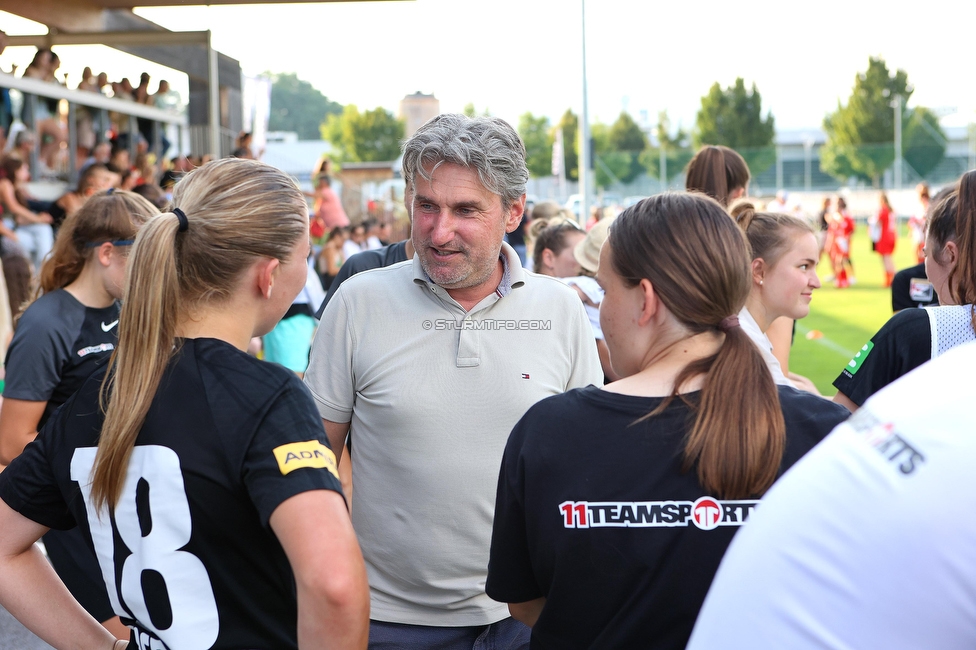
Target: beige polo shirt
(432, 393)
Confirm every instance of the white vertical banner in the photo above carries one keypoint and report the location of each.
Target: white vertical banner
(559, 162)
(257, 109)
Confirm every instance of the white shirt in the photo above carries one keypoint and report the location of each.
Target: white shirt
(751, 327)
(350, 248)
(594, 292)
(869, 541)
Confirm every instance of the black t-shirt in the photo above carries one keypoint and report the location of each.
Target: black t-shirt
(364, 261)
(594, 513)
(901, 345)
(911, 288)
(188, 554)
(58, 344)
(517, 236)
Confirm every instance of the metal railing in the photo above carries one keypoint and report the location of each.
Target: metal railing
(128, 114)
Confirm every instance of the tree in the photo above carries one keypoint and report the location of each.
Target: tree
(923, 141)
(370, 136)
(297, 106)
(569, 124)
(733, 117)
(860, 135)
(617, 150)
(609, 166)
(471, 111)
(536, 133)
(676, 151)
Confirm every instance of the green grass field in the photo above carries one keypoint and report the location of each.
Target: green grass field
(846, 317)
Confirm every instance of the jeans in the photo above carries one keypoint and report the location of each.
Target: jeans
(36, 239)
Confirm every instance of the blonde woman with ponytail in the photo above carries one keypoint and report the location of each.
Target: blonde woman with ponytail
(64, 336)
(616, 504)
(201, 476)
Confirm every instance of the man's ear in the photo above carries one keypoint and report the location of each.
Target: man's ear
(515, 212)
(266, 270)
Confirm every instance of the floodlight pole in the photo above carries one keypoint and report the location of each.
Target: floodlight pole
(898, 104)
(584, 130)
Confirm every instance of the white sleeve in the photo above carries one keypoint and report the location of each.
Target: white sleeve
(586, 365)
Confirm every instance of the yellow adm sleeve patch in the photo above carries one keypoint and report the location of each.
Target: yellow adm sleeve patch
(313, 453)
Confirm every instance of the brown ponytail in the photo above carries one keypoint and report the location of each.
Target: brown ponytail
(717, 171)
(697, 260)
(963, 276)
(238, 211)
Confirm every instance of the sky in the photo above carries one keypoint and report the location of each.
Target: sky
(514, 56)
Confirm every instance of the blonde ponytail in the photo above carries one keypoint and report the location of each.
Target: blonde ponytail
(238, 211)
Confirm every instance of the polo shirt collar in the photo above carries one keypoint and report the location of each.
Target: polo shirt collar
(513, 275)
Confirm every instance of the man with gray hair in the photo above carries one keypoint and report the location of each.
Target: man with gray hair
(427, 365)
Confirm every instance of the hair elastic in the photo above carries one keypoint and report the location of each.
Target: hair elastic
(184, 222)
(728, 323)
(109, 191)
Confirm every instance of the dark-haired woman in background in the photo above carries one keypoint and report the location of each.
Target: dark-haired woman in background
(913, 336)
(719, 172)
(615, 505)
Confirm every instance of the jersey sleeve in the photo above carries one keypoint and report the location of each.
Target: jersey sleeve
(329, 375)
(900, 346)
(289, 454)
(510, 575)
(37, 354)
(28, 484)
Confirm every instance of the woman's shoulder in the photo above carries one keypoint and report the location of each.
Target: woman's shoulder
(223, 363)
(906, 323)
(809, 418)
(580, 412)
(51, 309)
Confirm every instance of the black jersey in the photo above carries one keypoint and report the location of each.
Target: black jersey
(58, 344)
(595, 514)
(901, 345)
(188, 554)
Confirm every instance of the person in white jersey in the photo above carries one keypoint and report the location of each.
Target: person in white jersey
(427, 365)
(866, 542)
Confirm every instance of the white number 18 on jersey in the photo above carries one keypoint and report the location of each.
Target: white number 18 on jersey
(192, 622)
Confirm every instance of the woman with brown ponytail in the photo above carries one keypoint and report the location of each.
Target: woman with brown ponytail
(200, 476)
(719, 172)
(615, 505)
